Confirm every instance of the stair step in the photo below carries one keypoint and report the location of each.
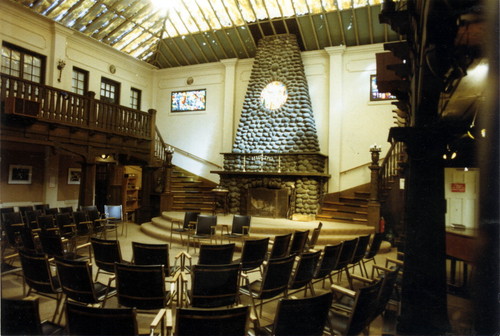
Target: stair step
(345, 219)
(336, 210)
(353, 200)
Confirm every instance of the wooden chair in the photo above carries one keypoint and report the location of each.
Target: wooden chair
(114, 218)
(54, 245)
(214, 286)
(12, 224)
(24, 208)
(253, 255)
(22, 317)
(83, 225)
(84, 320)
(205, 229)
(216, 254)
(298, 244)
(221, 322)
(67, 227)
(307, 316)
(358, 255)
(51, 211)
(280, 245)
(311, 243)
(98, 223)
(106, 254)
(151, 254)
(39, 278)
(358, 316)
(345, 257)
(42, 207)
(66, 209)
(373, 250)
(273, 284)
(327, 263)
(186, 226)
(75, 277)
(240, 228)
(303, 274)
(31, 218)
(143, 287)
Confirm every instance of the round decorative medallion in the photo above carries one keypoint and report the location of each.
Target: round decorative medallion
(274, 95)
(112, 69)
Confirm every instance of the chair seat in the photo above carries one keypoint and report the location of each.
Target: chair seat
(234, 235)
(201, 236)
(254, 288)
(49, 328)
(101, 289)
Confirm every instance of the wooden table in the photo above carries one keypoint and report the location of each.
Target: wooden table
(460, 247)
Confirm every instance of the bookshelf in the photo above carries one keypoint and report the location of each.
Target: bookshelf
(130, 193)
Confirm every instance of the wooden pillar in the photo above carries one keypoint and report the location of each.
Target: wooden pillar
(424, 288)
(374, 202)
(167, 197)
(145, 208)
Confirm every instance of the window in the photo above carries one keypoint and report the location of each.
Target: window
(22, 63)
(135, 98)
(80, 82)
(110, 91)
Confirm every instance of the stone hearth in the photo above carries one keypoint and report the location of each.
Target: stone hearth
(276, 145)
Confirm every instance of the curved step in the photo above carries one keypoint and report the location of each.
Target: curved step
(331, 232)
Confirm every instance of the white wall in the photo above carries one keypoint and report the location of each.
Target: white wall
(338, 78)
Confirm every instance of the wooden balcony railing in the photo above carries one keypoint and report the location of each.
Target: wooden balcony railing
(64, 107)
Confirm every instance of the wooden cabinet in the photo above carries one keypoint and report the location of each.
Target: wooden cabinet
(130, 193)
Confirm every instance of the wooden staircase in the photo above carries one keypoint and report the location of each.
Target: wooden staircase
(348, 208)
(191, 192)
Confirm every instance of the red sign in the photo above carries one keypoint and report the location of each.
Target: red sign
(458, 187)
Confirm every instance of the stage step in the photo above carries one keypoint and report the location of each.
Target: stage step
(331, 232)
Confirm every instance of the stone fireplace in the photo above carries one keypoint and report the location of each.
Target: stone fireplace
(275, 168)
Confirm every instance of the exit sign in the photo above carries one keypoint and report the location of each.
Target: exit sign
(458, 187)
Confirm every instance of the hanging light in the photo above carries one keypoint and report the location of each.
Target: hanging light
(450, 154)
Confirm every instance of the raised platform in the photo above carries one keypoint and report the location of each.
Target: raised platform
(331, 232)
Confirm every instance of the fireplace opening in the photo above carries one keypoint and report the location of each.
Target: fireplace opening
(268, 202)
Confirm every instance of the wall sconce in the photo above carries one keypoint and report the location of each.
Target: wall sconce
(60, 66)
(450, 154)
(104, 156)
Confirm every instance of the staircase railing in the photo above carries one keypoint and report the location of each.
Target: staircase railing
(390, 167)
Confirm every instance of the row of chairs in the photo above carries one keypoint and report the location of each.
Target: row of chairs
(306, 316)
(350, 313)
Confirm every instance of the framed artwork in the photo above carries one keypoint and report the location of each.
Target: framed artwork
(188, 101)
(375, 95)
(20, 174)
(74, 175)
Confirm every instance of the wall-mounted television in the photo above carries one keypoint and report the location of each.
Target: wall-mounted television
(188, 101)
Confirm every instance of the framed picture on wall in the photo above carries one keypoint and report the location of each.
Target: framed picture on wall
(375, 95)
(20, 174)
(188, 101)
(74, 175)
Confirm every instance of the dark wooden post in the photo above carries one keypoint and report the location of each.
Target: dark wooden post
(424, 288)
(91, 109)
(167, 198)
(374, 203)
(87, 183)
(145, 209)
(152, 128)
